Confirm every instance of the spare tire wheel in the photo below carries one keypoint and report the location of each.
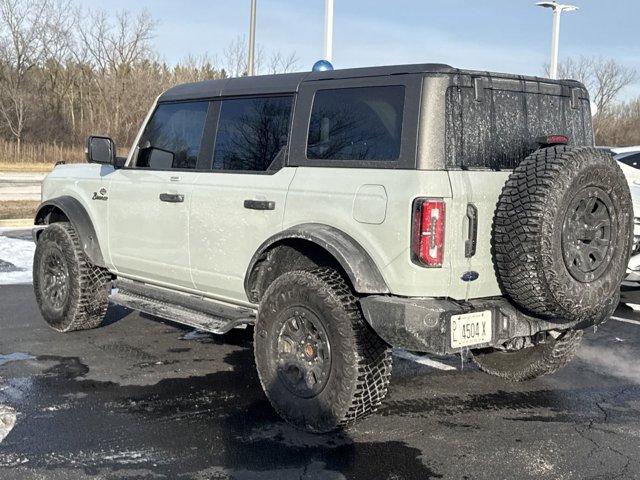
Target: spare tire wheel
(562, 233)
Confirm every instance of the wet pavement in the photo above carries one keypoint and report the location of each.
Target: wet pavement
(142, 398)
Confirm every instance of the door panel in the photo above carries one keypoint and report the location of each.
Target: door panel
(241, 202)
(224, 234)
(148, 236)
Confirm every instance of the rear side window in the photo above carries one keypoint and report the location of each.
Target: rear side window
(363, 123)
(171, 139)
(252, 133)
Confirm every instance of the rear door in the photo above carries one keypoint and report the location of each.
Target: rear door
(240, 202)
(149, 200)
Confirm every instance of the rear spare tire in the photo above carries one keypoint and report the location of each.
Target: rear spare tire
(562, 233)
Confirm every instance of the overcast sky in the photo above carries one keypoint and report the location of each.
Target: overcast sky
(501, 35)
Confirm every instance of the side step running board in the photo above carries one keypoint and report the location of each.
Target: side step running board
(224, 319)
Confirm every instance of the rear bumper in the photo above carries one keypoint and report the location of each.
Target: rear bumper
(423, 324)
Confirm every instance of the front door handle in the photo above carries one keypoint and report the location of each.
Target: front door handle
(171, 197)
(260, 205)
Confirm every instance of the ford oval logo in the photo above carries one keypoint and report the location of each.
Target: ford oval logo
(469, 276)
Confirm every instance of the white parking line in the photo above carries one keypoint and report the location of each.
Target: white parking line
(626, 320)
(422, 360)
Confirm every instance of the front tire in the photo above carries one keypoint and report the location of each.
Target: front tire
(320, 364)
(531, 362)
(71, 292)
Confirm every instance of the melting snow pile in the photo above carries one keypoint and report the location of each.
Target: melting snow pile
(7, 420)
(16, 260)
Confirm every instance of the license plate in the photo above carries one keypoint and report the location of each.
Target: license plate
(471, 329)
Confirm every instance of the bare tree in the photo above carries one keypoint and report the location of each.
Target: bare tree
(67, 72)
(21, 49)
(236, 56)
(279, 63)
(604, 78)
(235, 59)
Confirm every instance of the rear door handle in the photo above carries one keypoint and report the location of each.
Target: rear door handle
(171, 197)
(472, 234)
(260, 204)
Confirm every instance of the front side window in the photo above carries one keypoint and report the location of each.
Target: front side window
(171, 139)
(363, 123)
(252, 133)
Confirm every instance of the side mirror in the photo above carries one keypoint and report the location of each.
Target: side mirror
(100, 150)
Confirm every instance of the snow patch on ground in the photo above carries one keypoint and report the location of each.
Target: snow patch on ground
(7, 421)
(196, 335)
(15, 357)
(16, 258)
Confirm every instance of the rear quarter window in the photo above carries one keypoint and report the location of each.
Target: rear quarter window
(360, 123)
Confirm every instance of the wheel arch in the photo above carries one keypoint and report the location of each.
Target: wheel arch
(310, 245)
(67, 208)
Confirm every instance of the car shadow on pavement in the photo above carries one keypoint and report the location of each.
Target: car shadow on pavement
(209, 424)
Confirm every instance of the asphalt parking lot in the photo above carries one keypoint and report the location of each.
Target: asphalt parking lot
(144, 398)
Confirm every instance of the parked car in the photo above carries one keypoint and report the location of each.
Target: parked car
(344, 213)
(629, 161)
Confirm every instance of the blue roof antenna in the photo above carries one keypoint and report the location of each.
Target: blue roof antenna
(322, 66)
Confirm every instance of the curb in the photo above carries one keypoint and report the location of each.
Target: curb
(17, 222)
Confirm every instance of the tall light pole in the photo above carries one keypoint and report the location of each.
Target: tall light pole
(558, 8)
(252, 39)
(328, 30)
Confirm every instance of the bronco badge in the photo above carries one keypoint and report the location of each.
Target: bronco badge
(101, 195)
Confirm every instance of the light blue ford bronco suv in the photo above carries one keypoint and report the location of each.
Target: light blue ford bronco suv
(343, 214)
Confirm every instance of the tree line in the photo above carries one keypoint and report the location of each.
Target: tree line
(66, 72)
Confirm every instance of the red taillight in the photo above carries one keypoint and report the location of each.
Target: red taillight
(428, 232)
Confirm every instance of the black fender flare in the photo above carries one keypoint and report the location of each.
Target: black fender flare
(79, 219)
(354, 260)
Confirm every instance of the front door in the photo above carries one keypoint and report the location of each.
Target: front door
(149, 200)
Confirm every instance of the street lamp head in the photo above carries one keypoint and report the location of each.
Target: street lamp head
(557, 6)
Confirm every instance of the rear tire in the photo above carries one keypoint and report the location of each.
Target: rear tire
(320, 364)
(71, 292)
(562, 235)
(531, 362)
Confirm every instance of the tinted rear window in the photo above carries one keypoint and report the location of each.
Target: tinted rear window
(500, 129)
(356, 124)
(252, 133)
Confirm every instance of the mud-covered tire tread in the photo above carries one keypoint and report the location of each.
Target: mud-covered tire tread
(88, 283)
(518, 230)
(370, 355)
(532, 362)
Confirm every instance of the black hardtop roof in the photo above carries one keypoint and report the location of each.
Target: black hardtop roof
(290, 82)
